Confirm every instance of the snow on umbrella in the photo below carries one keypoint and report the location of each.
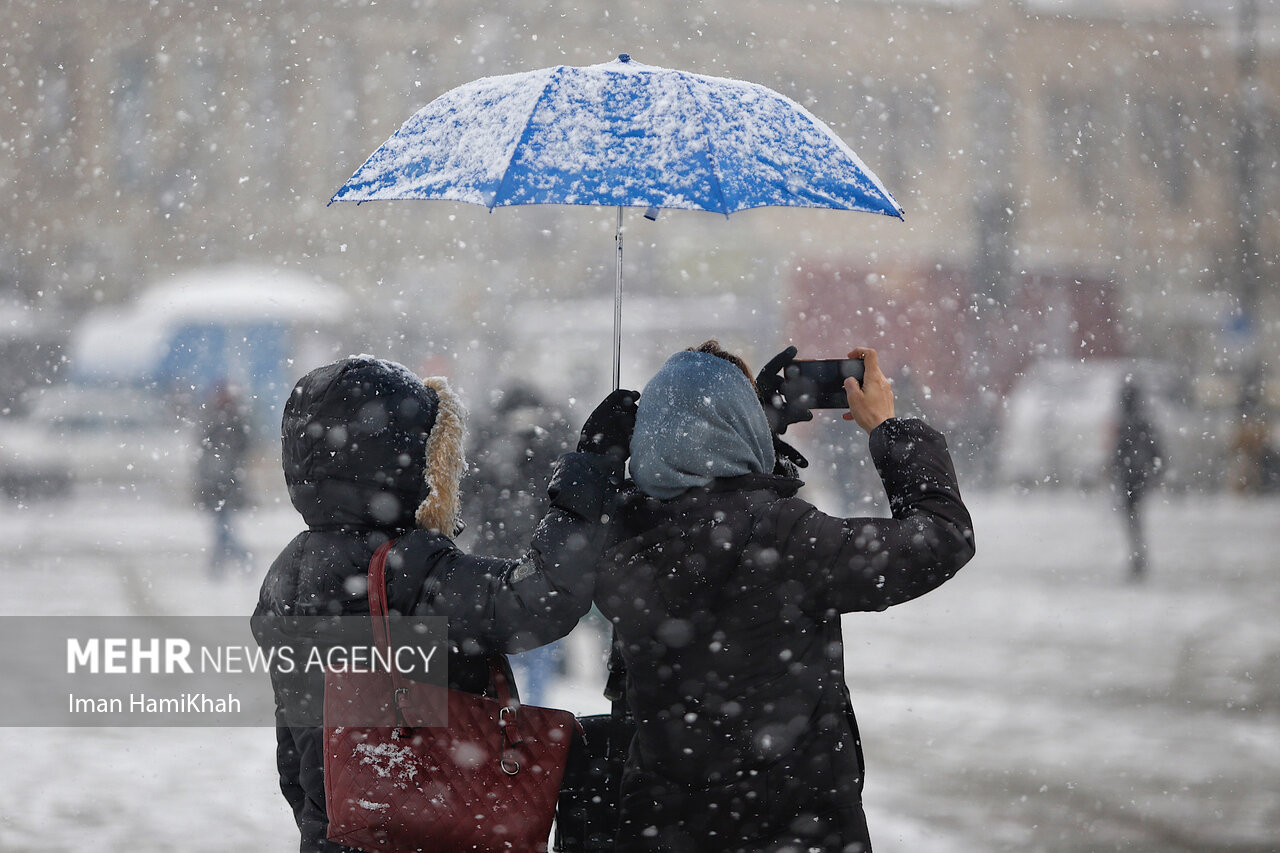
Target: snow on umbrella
(621, 134)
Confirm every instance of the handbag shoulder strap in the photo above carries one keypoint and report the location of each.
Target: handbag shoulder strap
(499, 679)
(378, 613)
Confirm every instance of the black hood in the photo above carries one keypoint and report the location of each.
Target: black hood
(354, 437)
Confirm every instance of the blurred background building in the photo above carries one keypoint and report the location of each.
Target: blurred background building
(1082, 180)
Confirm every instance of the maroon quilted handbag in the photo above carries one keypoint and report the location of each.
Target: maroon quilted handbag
(487, 781)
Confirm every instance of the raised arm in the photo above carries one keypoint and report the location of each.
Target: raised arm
(872, 563)
(514, 605)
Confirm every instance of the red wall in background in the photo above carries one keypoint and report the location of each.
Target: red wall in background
(954, 351)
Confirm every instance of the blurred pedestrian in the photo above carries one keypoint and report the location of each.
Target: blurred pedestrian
(511, 462)
(220, 474)
(1137, 463)
(372, 452)
(1247, 470)
(727, 591)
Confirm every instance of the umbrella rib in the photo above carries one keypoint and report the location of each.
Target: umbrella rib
(712, 159)
(524, 136)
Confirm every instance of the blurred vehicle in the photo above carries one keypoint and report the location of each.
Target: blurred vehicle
(1059, 425)
(71, 433)
(137, 368)
(23, 478)
(253, 326)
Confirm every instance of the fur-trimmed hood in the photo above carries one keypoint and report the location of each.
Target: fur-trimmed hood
(367, 444)
(441, 509)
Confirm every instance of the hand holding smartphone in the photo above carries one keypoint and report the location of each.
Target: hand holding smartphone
(819, 384)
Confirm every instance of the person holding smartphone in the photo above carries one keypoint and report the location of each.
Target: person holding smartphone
(726, 590)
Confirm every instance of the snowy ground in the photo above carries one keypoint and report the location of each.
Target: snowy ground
(1035, 703)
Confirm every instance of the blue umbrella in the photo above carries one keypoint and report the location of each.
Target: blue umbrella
(621, 134)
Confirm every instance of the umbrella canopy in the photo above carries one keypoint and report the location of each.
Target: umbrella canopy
(623, 134)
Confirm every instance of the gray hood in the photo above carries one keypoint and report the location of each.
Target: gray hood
(698, 420)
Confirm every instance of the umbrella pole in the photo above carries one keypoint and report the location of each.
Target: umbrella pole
(617, 308)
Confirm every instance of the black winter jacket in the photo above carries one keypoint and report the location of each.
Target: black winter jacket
(727, 603)
(491, 605)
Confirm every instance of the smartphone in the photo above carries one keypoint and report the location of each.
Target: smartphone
(819, 384)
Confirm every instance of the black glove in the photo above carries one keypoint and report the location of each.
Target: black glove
(785, 454)
(608, 429)
(777, 409)
(781, 414)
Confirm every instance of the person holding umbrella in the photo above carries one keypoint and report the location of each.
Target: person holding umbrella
(371, 453)
(726, 591)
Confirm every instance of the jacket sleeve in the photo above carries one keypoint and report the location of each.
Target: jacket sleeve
(856, 564)
(512, 605)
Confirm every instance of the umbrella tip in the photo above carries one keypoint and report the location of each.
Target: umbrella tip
(624, 57)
